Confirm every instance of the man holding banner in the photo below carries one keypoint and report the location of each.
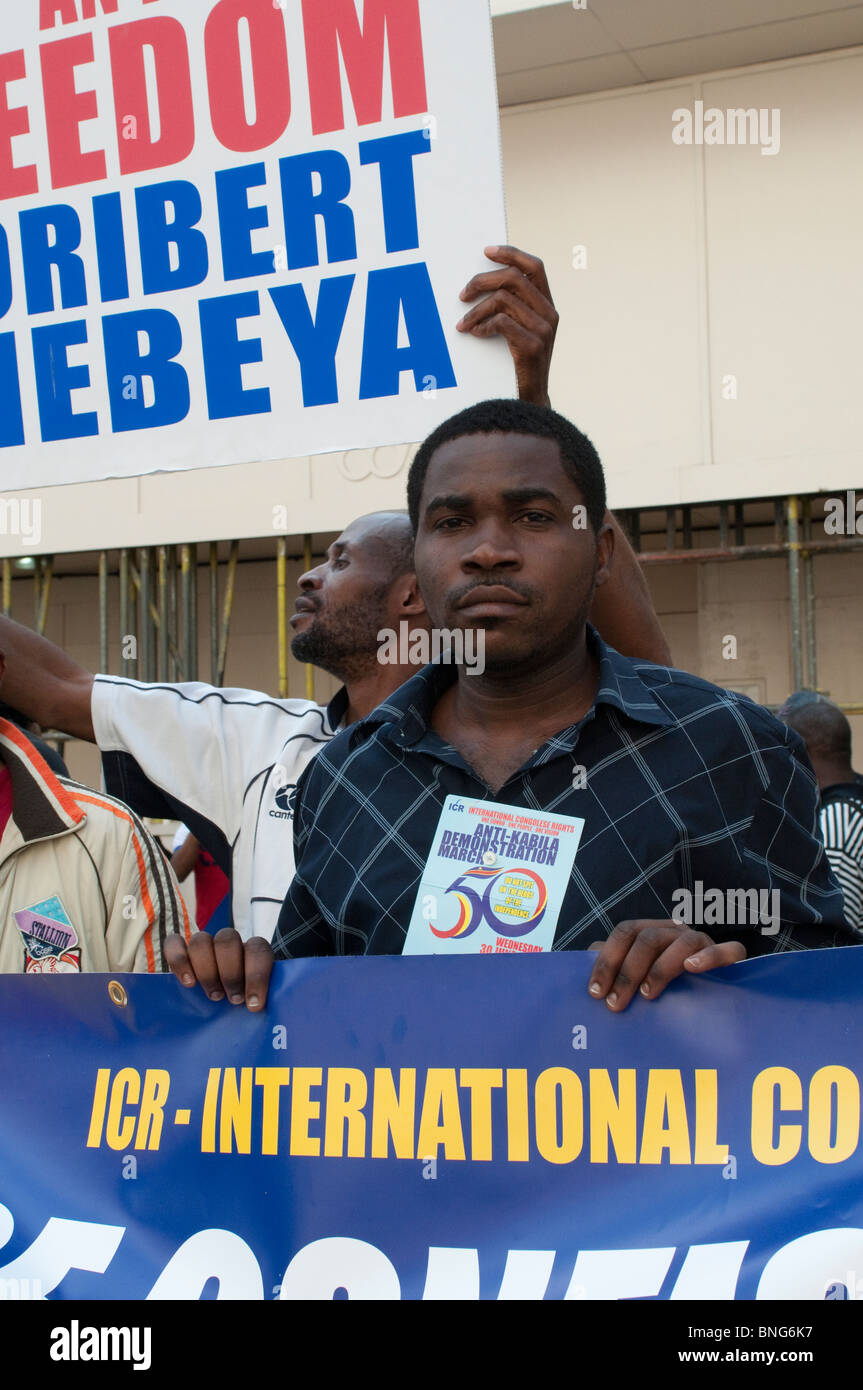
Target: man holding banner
(655, 803)
(316, 212)
(226, 762)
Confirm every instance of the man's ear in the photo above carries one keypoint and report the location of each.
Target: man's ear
(604, 553)
(407, 598)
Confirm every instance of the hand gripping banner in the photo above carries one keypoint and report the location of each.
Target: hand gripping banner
(438, 1128)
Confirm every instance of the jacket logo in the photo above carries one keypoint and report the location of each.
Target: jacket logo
(285, 798)
(50, 941)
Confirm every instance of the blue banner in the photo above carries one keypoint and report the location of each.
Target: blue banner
(435, 1128)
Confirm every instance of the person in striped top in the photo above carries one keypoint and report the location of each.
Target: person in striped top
(827, 735)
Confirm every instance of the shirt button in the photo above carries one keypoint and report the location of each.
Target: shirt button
(489, 858)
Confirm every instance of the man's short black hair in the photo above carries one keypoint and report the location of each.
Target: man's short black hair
(820, 723)
(578, 456)
(800, 698)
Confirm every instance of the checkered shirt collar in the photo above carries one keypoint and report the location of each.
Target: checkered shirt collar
(409, 708)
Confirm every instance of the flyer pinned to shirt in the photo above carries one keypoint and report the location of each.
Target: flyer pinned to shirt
(494, 881)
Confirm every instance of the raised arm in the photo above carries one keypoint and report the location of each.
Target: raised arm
(622, 609)
(44, 683)
(515, 303)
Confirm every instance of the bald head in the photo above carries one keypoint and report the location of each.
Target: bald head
(822, 726)
(826, 733)
(389, 535)
(365, 585)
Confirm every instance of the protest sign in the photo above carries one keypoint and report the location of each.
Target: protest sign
(237, 230)
(435, 1128)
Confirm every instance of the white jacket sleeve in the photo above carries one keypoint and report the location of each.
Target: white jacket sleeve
(200, 745)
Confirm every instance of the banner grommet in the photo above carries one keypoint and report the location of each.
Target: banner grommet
(118, 994)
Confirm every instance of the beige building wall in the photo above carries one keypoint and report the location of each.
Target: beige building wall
(684, 273)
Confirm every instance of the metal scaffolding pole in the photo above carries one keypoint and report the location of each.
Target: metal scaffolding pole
(189, 596)
(7, 588)
(779, 521)
(809, 598)
(128, 650)
(793, 540)
(282, 613)
(214, 613)
(173, 613)
(793, 514)
(145, 627)
(42, 577)
(193, 611)
(164, 630)
(744, 552)
(739, 524)
(103, 610)
(227, 612)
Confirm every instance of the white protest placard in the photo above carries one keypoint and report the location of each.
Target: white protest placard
(236, 230)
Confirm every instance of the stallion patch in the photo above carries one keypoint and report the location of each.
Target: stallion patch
(50, 940)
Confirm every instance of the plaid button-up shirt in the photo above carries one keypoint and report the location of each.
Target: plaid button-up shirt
(686, 784)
